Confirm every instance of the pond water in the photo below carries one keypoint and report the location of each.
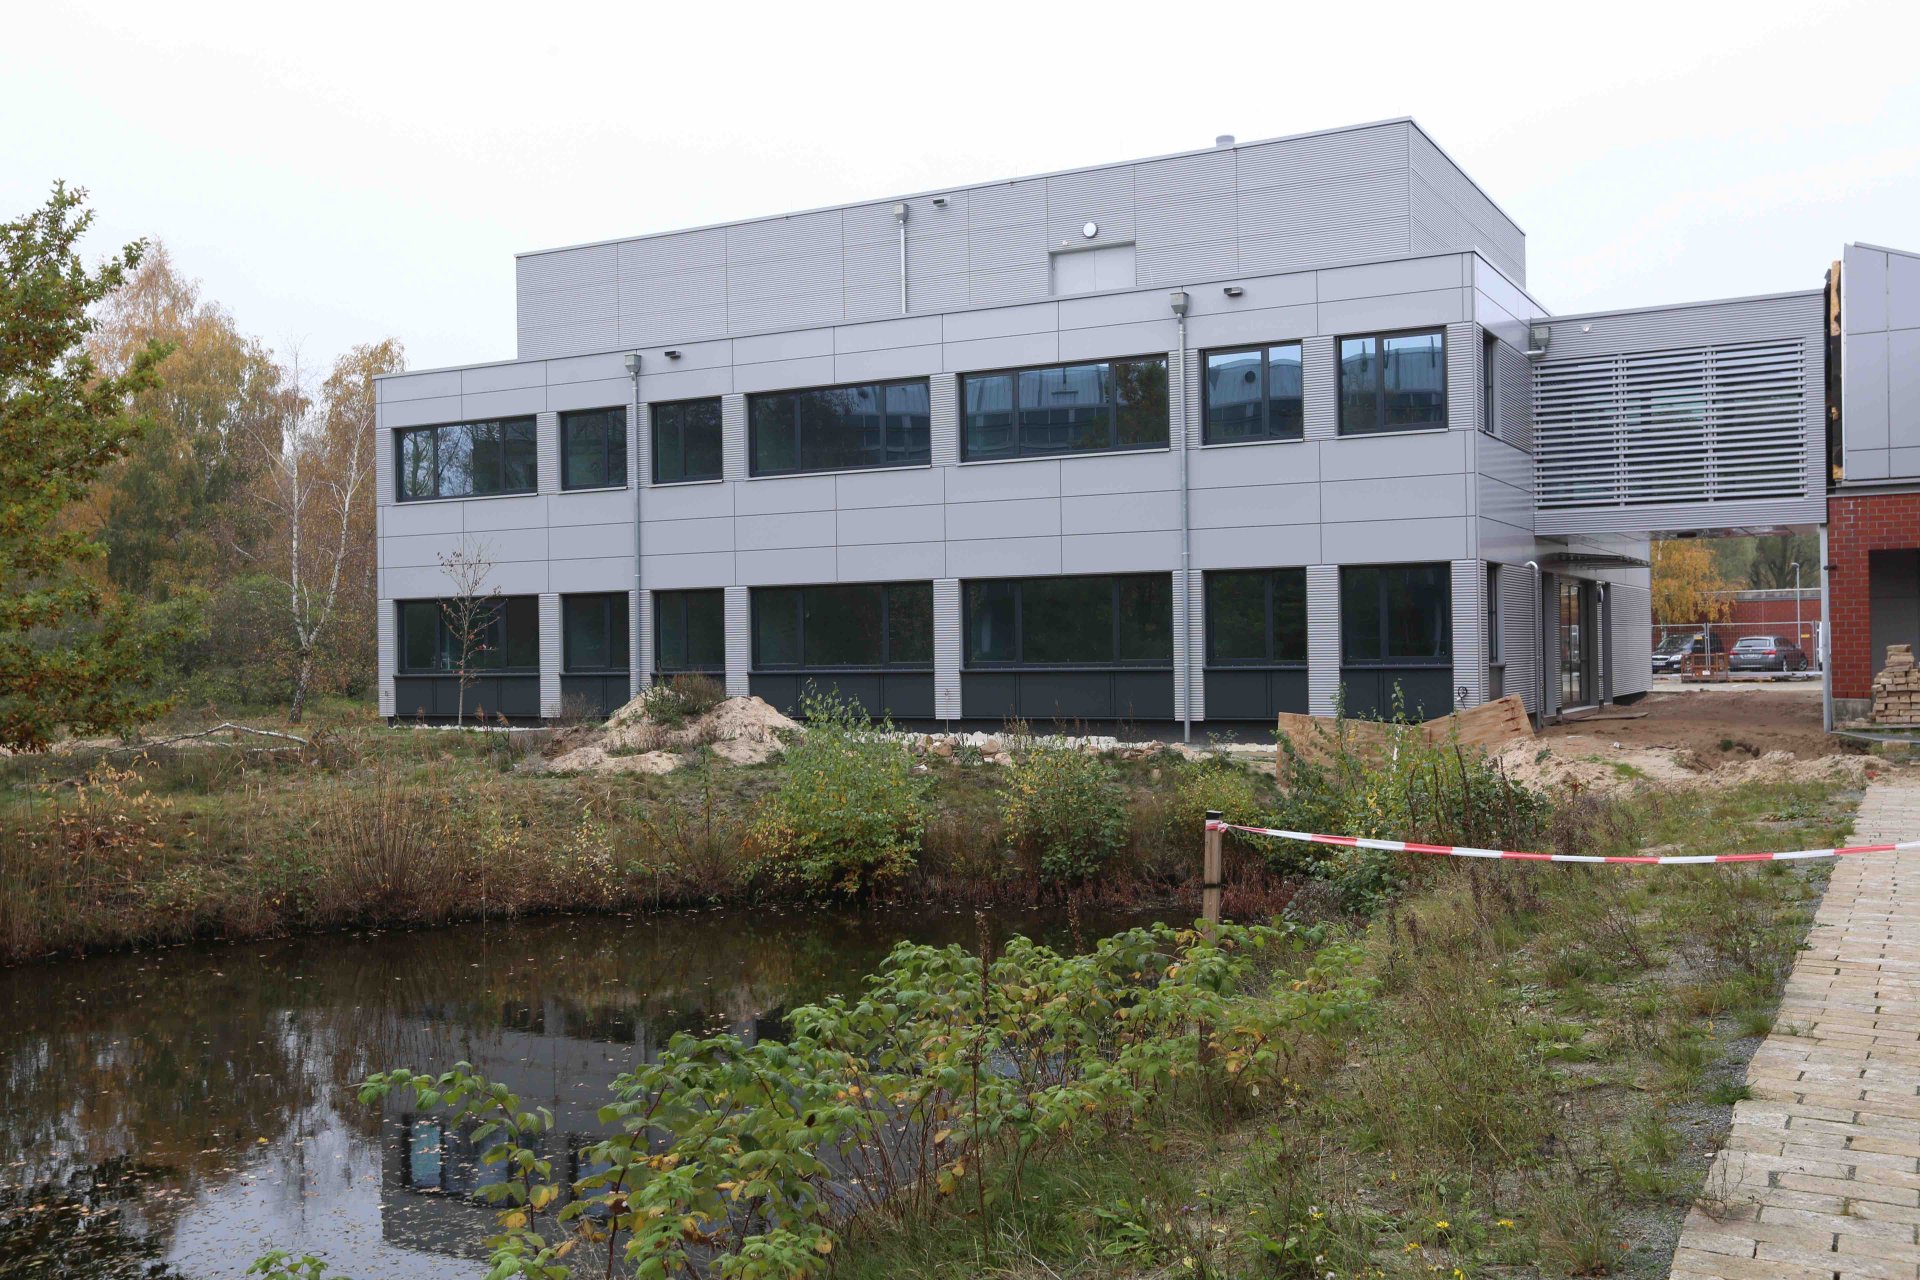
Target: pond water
(175, 1113)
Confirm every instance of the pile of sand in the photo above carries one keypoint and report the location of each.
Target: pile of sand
(738, 730)
(1613, 767)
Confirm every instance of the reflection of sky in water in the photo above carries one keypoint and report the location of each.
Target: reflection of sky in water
(196, 1105)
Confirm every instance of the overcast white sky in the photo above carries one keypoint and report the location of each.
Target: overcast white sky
(340, 173)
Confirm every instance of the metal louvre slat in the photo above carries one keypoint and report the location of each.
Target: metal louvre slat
(1663, 428)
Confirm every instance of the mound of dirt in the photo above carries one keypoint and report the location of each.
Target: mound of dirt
(738, 730)
(1594, 764)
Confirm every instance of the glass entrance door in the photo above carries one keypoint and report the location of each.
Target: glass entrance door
(1576, 639)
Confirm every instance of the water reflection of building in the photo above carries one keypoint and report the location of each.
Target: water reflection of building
(555, 1054)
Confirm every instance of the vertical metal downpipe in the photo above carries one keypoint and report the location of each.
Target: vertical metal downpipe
(1826, 640)
(641, 467)
(1179, 303)
(1540, 645)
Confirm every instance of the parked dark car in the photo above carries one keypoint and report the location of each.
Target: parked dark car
(1673, 651)
(1766, 653)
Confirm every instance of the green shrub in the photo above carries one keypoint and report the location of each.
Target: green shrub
(849, 815)
(1214, 782)
(1065, 813)
(674, 701)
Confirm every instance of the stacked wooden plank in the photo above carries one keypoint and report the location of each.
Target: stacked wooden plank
(1896, 690)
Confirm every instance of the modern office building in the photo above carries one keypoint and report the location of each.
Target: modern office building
(1263, 427)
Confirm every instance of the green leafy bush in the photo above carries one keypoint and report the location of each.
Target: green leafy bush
(1065, 813)
(674, 701)
(848, 817)
(1214, 783)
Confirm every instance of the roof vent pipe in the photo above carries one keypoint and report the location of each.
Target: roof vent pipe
(1224, 140)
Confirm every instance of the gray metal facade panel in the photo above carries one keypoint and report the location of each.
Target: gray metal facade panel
(1323, 638)
(384, 623)
(547, 452)
(1520, 634)
(640, 627)
(1630, 652)
(733, 437)
(1880, 364)
(1319, 379)
(946, 648)
(1196, 634)
(1346, 195)
(1469, 596)
(549, 654)
(739, 623)
(1463, 376)
(1183, 664)
(1513, 390)
(944, 398)
(1794, 315)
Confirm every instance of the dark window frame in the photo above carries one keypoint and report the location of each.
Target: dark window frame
(1494, 637)
(607, 450)
(887, 661)
(1265, 351)
(653, 440)
(921, 458)
(1378, 337)
(1019, 663)
(1489, 384)
(682, 597)
(1444, 577)
(1268, 580)
(402, 434)
(1021, 452)
(614, 604)
(443, 642)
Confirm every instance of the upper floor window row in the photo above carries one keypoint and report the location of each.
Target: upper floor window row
(869, 424)
(1071, 408)
(686, 441)
(593, 449)
(1254, 393)
(1393, 382)
(466, 459)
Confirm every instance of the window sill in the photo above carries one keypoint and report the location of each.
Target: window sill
(1255, 666)
(1398, 664)
(592, 488)
(471, 497)
(844, 471)
(1063, 457)
(607, 671)
(686, 484)
(518, 673)
(1248, 444)
(1069, 668)
(856, 670)
(1392, 432)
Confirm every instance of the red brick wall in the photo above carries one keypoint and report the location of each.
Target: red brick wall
(1856, 526)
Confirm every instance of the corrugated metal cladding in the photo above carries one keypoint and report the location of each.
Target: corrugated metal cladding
(640, 652)
(1632, 623)
(547, 451)
(733, 437)
(946, 648)
(1319, 389)
(1196, 631)
(1323, 638)
(739, 621)
(1513, 389)
(1348, 195)
(943, 392)
(383, 629)
(1470, 630)
(1520, 634)
(549, 654)
(1671, 426)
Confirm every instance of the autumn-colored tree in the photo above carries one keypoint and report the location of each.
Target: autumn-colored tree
(1685, 580)
(172, 512)
(69, 653)
(316, 483)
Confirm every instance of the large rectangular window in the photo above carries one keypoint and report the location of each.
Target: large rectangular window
(593, 632)
(1257, 617)
(1070, 621)
(844, 626)
(504, 636)
(1396, 613)
(686, 440)
(689, 631)
(884, 424)
(1071, 408)
(1393, 382)
(1254, 394)
(593, 449)
(465, 459)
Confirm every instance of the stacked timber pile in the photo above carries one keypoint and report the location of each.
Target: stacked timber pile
(1491, 724)
(1896, 690)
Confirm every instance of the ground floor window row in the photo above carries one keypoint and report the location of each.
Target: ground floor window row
(1090, 646)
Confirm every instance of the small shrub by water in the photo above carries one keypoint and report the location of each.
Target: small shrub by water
(848, 817)
(1065, 813)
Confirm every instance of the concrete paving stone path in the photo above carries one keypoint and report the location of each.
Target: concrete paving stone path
(1820, 1178)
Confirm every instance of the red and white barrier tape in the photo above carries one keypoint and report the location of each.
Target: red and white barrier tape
(1463, 851)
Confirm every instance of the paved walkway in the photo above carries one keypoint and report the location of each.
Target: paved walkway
(1821, 1176)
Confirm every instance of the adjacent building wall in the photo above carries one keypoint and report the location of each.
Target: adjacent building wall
(1880, 365)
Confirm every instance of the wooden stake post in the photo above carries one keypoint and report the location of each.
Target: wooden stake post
(1210, 870)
